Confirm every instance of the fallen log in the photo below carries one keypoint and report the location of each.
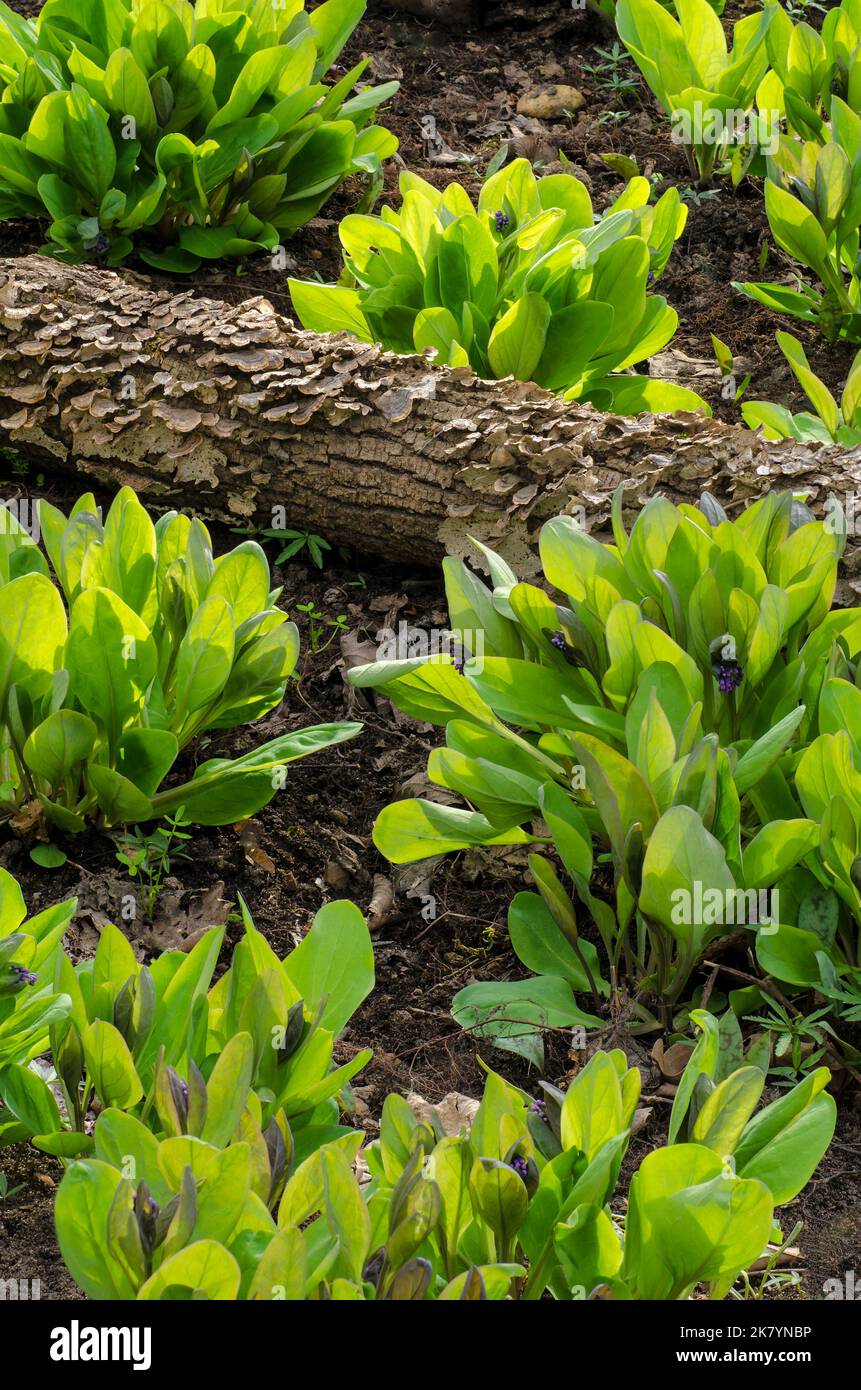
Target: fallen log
(233, 412)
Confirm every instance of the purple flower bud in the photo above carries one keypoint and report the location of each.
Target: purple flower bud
(521, 1167)
(558, 641)
(25, 977)
(538, 1108)
(502, 221)
(729, 676)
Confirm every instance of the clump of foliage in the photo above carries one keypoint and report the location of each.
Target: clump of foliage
(519, 1207)
(686, 64)
(161, 1051)
(819, 947)
(29, 1003)
(724, 622)
(142, 641)
(675, 894)
(813, 202)
(527, 284)
(830, 424)
(659, 707)
(716, 1105)
(187, 132)
(809, 68)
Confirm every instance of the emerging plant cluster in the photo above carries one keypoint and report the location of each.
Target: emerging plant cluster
(679, 727)
(689, 703)
(668, 721)
(531, 285)
(217, 1167)
(189, 132)
(197, 132)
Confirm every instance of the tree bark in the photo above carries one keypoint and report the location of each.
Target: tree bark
(231, 411)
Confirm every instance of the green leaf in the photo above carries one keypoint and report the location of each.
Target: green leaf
(777, 848)
(29, 1099)
(205, 656)
(755, 762)
(32, 635)
(333, 22)
(703, 1061)
(541, 946)
(512, 1012)
(119, 1137)
(415, 829)
(468, 269)
(83, 1202)
(227, 1090)
(333, 966)
(145, 757)
(794, 228)
(790, 955)
(204, 1269)
(111, 659)
(226, 790)
(89, 145)
(128, 94)
(119, 799)
(518, 338)
(621, 796)
(48, 856)
(130, 554)
(281, 1271)
(158, 38)
(500, 1197)
(692, 1223)
(329, 309)
(110, 1066)
(60, 743)
(680, 855)
(784, 1143)
(593, 1111)
(727, 1109)
(522, 692)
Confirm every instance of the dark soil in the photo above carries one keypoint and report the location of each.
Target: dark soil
(313, 843)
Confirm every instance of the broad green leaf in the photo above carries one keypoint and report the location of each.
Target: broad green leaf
(204, 1269)
(333, 966)
(81, 1210)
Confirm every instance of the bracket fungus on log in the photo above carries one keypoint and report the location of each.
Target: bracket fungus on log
(230, 410)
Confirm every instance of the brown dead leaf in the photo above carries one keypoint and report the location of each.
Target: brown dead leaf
(388, 603)
(455, 1111)
(672, 1060)
(180, 928)
(247, 831)
(336, 877)
(355, 652)
(260, 859)
(642, 1115)
(27, 818)
(381, 902)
